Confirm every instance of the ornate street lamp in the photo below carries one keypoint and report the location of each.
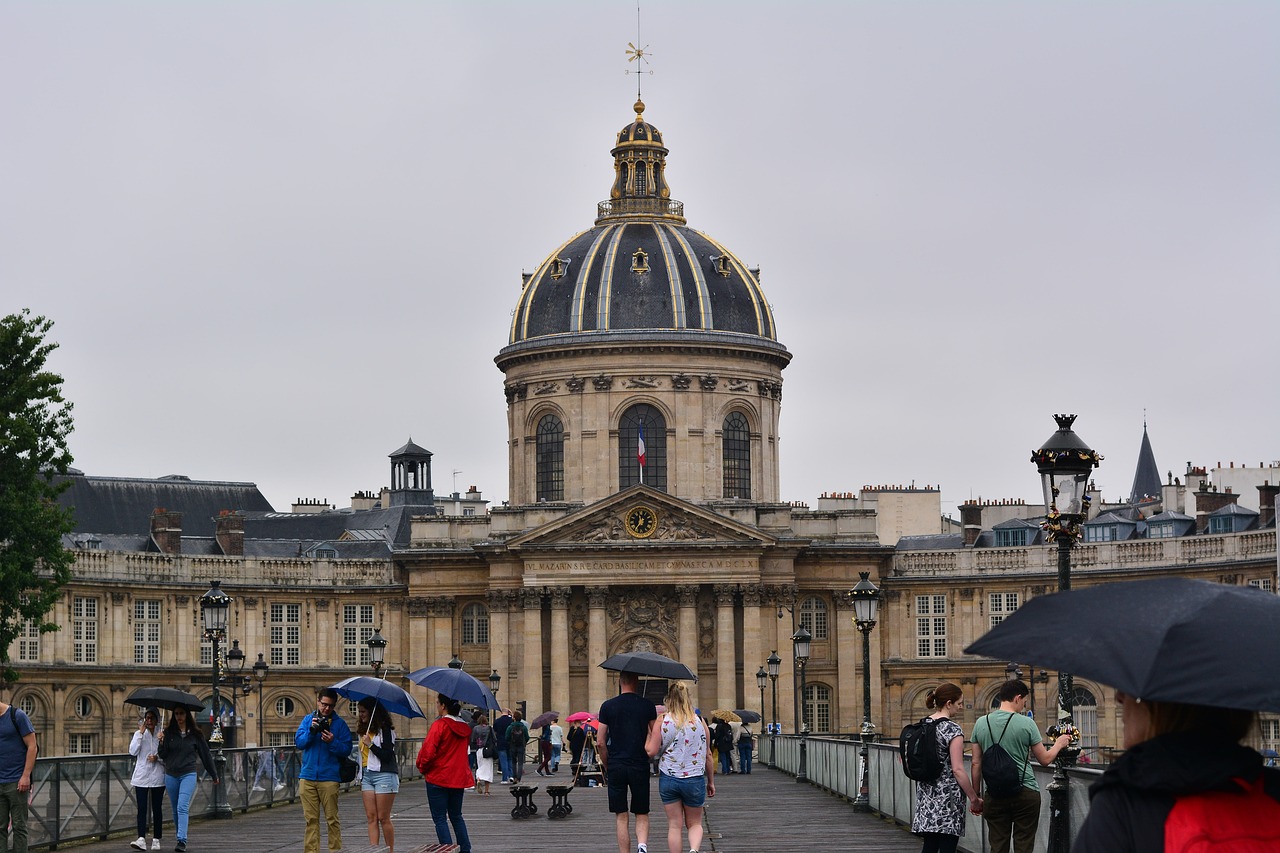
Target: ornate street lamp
(377, 651)
(762, 680)
(494, 681)
(239, 686)
(866, 606)
(215, 606)
(456, 663)
(1065, 464)
(774, 665)
(260, 669)
(800, 640)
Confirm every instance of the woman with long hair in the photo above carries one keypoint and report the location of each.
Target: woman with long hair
(442, 761)
(940, 804)
(482, 738)
(148, 779)
(183, 750)
(685, 777)
(379, 774)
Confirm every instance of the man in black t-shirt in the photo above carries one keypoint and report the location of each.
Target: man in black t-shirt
(624, 726)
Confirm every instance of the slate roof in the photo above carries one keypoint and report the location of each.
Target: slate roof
(1146, 477)
(368, 525)
(123, 505)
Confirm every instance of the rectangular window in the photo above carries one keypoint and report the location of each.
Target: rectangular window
(931, 626)
(206, 653)
(28, 638)
(1270, 733)
(146, 631)
(1000, 605)
(1101, 533)
(80, 745)
(1162, 530)
(286, 634)
(1014, 537)
(84, 631)
(1221, 524)
(357, 628)
(1261, 583)
(280, 738)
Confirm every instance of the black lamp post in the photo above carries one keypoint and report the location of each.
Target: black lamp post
(377, 651)
(774, 665)
(800, 640)
(260, 669)
(240, 686)
(866, 606)
(456, 662)
(494, 681)
(1065, 464)
(214, 607)
(762, 681)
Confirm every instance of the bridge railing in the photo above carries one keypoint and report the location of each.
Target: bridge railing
(831, 763)
(76, 798)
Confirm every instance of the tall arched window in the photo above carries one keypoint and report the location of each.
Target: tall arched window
(550, 462)
(1085, 713)
(813, 616)
(817, 702)
(655, 447)
(642, 179)
(475, 624)
(735, 456)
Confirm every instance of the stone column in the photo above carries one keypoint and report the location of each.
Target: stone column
(188, 645)
(726, 660)
(442, 642)
(417, 611)
(560, 651)
(530, 683)
(753, 651)
(597, 647)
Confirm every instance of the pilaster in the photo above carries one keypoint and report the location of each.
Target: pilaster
(597, 648)
(726, 663)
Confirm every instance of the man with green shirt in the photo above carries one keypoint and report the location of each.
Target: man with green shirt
(1015, 817)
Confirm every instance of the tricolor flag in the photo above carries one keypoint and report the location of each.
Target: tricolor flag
(640, 446)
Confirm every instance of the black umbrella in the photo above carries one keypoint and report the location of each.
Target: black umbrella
(164, 697)
(650, 664)
(747, 715)
(1167, 640)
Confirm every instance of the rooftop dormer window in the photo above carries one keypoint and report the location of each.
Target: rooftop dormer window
(722, 265)
(640, 261)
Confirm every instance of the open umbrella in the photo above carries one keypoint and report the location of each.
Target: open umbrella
(455, 684)
(164, 697)
(747, 715)
(388, 695)
(1166, 640)
(650, 664)
(727, 716)
(580, 717)
(546, 718)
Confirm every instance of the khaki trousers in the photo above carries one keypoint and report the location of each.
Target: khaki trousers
(316, 796)
(1015, 817)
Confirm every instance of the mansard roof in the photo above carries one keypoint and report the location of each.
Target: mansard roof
(123, 505)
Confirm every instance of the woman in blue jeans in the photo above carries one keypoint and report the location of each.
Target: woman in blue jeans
(442, 761)
(183, 750)
(685, 777)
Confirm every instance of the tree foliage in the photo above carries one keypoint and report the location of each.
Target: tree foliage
(35, 421)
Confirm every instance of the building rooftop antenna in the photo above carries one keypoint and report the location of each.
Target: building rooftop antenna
(638, 55)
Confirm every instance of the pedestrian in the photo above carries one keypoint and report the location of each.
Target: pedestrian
(379, 775)
(148, 779)
(267, 771)
(500, 733)
(442, 761)
(484, 746)
(685, 779)
(746, 742)
(940, 804)
(1018, 815)
(517, 741)
(1174, 752)
(544, 751)
(557, 745)
(183, 749)
(623, 730)
(723, 734)
(17, 760)
(324, 739)
(577, 740)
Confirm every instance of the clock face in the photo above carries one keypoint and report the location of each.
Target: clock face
(641, 521)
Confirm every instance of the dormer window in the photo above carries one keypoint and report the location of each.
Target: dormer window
(722, 265)
(640, 261)
(559, 267)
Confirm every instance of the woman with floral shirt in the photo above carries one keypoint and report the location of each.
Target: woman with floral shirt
(685, 777)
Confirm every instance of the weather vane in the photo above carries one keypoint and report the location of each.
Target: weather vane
(638, 55)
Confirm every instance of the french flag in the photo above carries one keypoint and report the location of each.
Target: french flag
(640, 446)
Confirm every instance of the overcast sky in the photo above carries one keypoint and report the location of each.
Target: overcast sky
(279, 238)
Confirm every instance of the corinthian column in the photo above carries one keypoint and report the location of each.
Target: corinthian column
(500, 601)
(560, 650)
(726, 662)
(597, 650)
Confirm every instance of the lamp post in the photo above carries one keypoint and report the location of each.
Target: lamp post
(240, 686)
(866, 606)
(800, 640)
(774, 665)
(377, 651)
(494, 681)
(1065, 464)
(456, 662)
(260, 669)
(214, 607)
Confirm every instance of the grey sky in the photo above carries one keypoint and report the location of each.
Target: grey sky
(278, 238)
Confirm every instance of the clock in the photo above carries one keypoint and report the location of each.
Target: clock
(641, 521)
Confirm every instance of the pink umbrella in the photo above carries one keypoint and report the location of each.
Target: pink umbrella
(580, 717)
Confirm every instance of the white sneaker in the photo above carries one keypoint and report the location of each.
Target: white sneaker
(258, 788)
(280, 786)
(155, 844)
(140, 844)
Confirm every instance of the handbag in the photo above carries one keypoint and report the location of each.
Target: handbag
(348, 769)
(489, 746)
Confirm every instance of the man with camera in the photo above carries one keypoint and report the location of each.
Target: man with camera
(324, 739)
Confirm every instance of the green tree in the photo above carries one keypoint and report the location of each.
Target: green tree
(35, 421)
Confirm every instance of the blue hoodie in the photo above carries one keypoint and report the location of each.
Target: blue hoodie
(321, 761)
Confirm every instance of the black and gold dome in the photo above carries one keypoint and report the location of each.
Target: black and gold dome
(640, 268)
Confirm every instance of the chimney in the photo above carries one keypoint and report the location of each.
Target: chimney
(363, 501)
(166, 531)
(230, 533)
(1209, 502)
(971, 520)
(1267, 495)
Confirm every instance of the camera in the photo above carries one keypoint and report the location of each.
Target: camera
(320, 724)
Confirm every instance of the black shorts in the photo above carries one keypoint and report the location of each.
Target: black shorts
(624, 778)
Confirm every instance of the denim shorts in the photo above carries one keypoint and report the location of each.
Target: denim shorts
(691, 790)
(380, 782)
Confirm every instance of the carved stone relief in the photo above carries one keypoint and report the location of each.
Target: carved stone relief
(640, 610)
(546, 388)
(687, 595)
(419, 606)
(575, 384)
(681, 381)
(641, 382)
(739, 385)
(706, 631)
(602, 382)
(708, 382)
(579, 631)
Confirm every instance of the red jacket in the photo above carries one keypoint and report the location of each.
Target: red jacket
(443, 758)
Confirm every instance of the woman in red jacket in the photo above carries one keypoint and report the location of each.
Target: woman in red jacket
(442, 761)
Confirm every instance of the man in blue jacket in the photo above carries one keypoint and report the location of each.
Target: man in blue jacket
(324, 739)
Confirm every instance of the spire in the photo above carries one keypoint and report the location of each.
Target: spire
(1146, 478)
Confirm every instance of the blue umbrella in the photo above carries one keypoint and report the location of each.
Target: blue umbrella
(393, 698)
(455, 684)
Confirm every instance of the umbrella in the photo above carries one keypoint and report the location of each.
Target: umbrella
(455, 684)
(1166, 640)
(727, 716)
(164, 697)
(580, 717)
(650, 664)
(389, 696)
(546, 718)
(747, 715)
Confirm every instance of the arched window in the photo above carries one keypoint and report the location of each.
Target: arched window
(83, 706)
(284, 707)
(817, 703)
(475, 624)
(813, 616)
(642, 180)
(655, 447)
(735, 456)
(1084, 711)
(550, 475)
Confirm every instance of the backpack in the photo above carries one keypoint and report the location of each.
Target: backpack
(1001, 773)
(1238, 821)
(724, 737)
(918, 746)
(517, 735)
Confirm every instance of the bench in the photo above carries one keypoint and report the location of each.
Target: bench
(525, 806)
(560, 807)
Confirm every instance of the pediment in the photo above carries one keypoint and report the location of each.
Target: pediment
(674, 523)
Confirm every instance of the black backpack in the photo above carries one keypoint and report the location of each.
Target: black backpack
(724, 737)
(918, 746)
(1001, 773)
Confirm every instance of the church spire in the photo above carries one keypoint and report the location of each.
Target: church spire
(1146, 478)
